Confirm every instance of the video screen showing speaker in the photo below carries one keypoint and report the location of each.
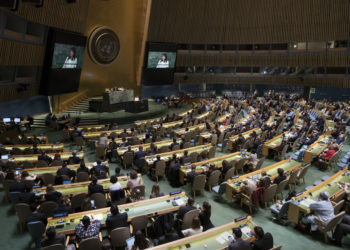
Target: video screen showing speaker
(160, 61)
(66, 56)
(63, 62)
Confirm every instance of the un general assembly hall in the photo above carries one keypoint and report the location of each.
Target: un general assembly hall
(174, 124)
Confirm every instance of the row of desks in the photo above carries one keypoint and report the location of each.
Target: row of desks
(53, 169)
(179, 153)
(316, 148)
(200, 168)
(216, 238)
(151, 207)
(302, 202)
(82, 187)
(43, 147)
(234, 185)
(34, 158)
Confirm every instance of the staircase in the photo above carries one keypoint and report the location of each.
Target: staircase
(79, 108)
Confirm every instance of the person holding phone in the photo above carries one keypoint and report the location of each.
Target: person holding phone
(238, 242)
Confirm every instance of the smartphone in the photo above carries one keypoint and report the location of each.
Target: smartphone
(230, 238)
(92, 203)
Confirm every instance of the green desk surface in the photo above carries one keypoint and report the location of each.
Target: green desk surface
(216, 238)
(182, 131)
(331, 185)
(135, 148)
(274, 142)
(318, 147)
(53, 169)
(271, 171)
(34, 158)
(76, 188)
(179, 153)
(40, 146)
(145, 207)
(217, 161)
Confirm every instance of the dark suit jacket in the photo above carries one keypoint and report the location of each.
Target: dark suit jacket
(36, 216)
(183, 210)
(59, 239)
(74, 160)
(18, 187)
(264, 243)
(55, 196)
(116, 221)
(96, 189)
(191, 175)
(45, 158)
(240, 244)
(278, 179)
(65, 171)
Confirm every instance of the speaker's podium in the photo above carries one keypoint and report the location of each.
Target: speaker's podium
(137, 106)
(112, 101)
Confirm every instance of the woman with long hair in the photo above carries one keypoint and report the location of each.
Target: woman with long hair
(204, 216)
(156, 192)
(71, 61)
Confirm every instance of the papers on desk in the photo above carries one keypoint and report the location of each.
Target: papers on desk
(95, 216)
(246, 230)
(307, 202)
(223, 238)
(179, 202)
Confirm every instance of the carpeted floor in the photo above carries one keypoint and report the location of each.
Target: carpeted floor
(222, 212)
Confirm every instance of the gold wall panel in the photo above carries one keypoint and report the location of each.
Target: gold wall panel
(248, 21)
(126, 18)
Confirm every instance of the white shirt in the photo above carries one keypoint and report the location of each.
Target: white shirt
(115, 187)
(191, 231)
(70, 64)
(162, 65)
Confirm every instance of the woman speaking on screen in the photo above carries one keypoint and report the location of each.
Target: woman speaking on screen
(163, 62)
(71, 60)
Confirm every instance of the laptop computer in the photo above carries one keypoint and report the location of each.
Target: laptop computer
(5, 157)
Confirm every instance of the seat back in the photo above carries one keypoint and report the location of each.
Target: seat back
(56, 163)
(118, 196)
(270, 192)
(54, 247)
(188, 217)
(212, 152)
(214, 178)
(175, 147)
(338, 207)
(199, 182)
(240, 164)
(214, 139)
(128, 158)
(23, 211)
(139, 222)
(160, 168)
(281, 186)
(14, 197)
(284, 151)
(164, 149)
(28, 151)
(100, 152)
(100, 200)
(333, 222)
(27, 164)
(82, 176)
(77, 200)
(293, 176)
(36, 229)
(339, 197)
(90, 244)
(260, 163)
(41, 164)
(79, 141)
(194, 156)
(48, 179)
(303, 171)
(187, 144)
(119, 236)
(48, 208)
(230, 173)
